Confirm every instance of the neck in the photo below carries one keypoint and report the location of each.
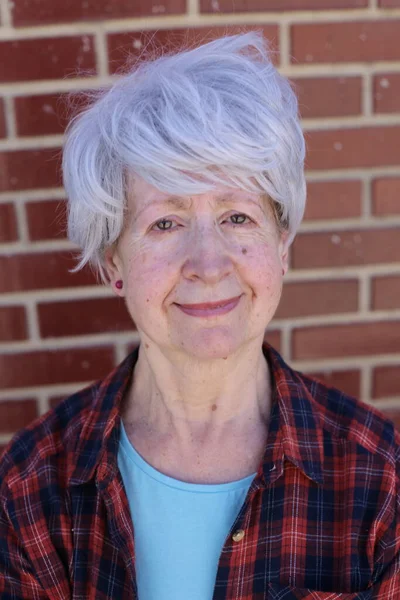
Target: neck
(198, 402)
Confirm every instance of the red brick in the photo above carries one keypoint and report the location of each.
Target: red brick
(227, 6)
(3, 128)
(328, 96)
(28, 169)
(274, 338)
(12, 323)
(47, 58)
(50, 367)
(44, 270)
(389, 3)
(386, 293)
(393, 414)
(346, 248)
(46, 219)
(352, 148)
(348, 382)
(386, 196)
(96, 315)
(387, 93)
(8, 223)
(386, 381)
(361, 41)
(305, 298)
(333, 200)
(54, 400)
(39, 12)
(338, 341)
(123, 50)
(44, 114)
(47, 114)
(15, 414)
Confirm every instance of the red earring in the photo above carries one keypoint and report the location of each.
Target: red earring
(119, 284)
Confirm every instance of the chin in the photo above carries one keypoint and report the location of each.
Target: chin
(211, 344)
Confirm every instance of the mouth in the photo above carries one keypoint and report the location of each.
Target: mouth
(210, 309)
(209, 305)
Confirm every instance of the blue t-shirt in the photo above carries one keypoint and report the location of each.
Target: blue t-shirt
(191, 520)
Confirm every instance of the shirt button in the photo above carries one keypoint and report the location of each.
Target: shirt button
(238, 535)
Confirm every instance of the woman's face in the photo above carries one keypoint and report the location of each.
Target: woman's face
(199, 249)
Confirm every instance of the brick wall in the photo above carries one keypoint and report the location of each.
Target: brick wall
(340, 313)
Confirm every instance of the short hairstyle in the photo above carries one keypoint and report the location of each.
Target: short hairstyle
(220, 110)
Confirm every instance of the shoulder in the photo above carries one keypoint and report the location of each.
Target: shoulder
(348, 418)
(48, 442)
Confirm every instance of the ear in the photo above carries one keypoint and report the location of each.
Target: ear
(113, 266)
(284, 246)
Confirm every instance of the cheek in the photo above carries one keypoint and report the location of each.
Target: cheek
(149, 278)
(265, 265)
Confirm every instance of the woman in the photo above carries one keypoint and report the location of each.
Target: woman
(203, 466)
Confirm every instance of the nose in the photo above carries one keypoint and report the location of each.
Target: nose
(209, 256)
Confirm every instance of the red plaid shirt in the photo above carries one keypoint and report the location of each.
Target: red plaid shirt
(320, 521)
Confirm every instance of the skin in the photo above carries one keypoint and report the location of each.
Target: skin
(200, 398)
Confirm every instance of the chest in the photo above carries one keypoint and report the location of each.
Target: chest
(230, 459)
(295, 536)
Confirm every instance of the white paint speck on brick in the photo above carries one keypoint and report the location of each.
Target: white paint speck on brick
(158, 9)
(85, 43)
(336, 239)
(137, 43)
(385, 83)
(338, 146)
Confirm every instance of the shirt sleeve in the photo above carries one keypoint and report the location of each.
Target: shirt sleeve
(17, 576)
(387, 567)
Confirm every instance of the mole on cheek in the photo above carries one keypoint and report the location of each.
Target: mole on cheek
(244, 250)
(214, 407)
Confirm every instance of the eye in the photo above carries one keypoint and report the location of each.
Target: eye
(163, 223)
(241, 216)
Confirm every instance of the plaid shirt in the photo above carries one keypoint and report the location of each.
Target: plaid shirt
(320, 520)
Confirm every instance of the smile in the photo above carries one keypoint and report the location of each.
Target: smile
(209, 310)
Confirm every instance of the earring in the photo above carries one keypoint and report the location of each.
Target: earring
(119, 284)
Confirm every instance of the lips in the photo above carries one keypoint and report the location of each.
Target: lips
(209, 305)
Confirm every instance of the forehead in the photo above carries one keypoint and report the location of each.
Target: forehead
(142, 195)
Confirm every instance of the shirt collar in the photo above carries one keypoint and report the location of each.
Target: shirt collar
(294, 431)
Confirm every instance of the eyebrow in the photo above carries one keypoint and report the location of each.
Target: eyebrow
(182, 202)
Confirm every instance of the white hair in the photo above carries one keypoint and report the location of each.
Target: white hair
(220, 110)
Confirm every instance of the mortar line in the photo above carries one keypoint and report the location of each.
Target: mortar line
(366, 383)
(5, 14)
(22, 224)
(284, 45)
(32, 321)
(9, 113)
(101, 53)
(193, 8)
(367, 94)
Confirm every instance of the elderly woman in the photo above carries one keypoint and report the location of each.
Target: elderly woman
(203, 467)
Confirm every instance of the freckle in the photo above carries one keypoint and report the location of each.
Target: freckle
(146, 345)
(147, 299)
(244, 250)
(214, 407)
